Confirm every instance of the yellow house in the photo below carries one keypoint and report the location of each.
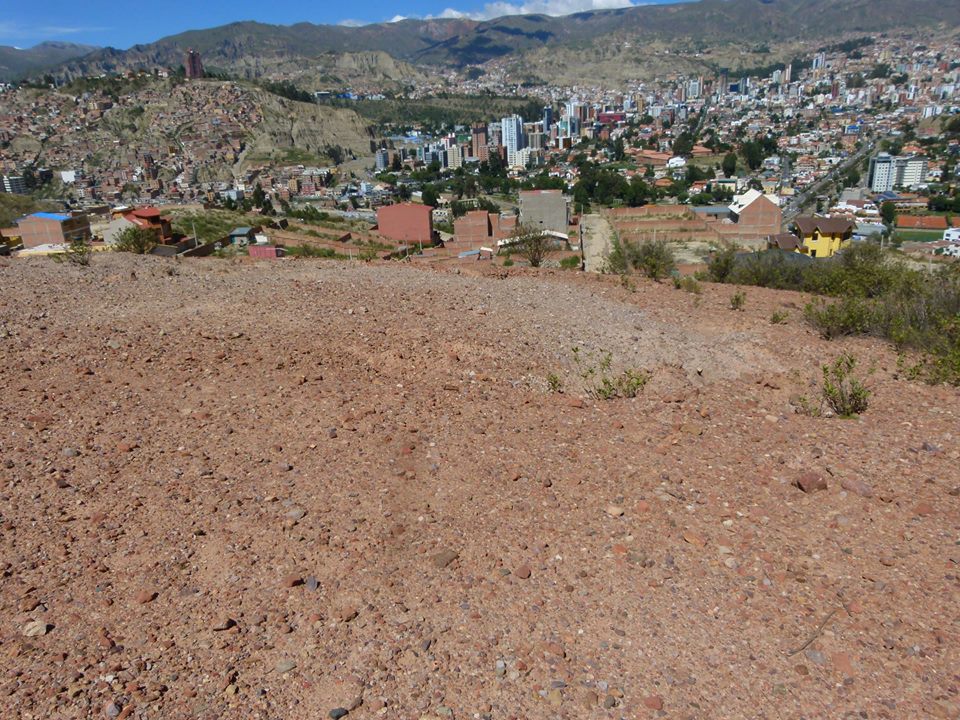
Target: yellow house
(822, 237)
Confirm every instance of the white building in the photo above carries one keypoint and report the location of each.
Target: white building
(454, 157)
(511, 129)
(888, 172)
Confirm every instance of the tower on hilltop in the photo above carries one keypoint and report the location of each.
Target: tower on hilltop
(193, 65)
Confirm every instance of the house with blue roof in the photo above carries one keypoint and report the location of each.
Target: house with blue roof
(48, 228)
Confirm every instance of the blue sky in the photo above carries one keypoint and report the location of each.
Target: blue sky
(108, 22)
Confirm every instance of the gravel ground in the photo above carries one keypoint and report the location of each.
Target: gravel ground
(276, 490)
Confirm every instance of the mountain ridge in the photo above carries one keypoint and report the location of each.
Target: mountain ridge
(257, 49)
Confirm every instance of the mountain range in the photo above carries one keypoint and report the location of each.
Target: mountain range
(17, 63)
(254, 49)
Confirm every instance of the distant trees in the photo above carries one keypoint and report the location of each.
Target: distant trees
(756, 149)
(461, 208)
(753, 154)
(608, 187)
(619, 153)
(288, 90)
(430, 196)
(855, 81)
(683, 143)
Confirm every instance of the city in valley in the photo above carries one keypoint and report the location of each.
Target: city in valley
(488, 363)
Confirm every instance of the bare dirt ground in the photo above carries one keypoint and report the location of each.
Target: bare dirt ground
(299, 489)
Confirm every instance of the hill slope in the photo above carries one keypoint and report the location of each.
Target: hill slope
(307, 486)
(214, 125)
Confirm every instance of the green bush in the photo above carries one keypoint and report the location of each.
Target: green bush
(722, 263)
(846, 395)
(312, 251)
(77, 253)
(136, 240)
(848, 316)
(690, 284)
(617, 261)
(554, 383)
(655, 259)
(767, 269)
(595, 369)
(508, 262)
(571, 262)
(779, 317)
(738, 300)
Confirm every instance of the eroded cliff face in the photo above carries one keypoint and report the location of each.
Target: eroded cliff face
(310, 129)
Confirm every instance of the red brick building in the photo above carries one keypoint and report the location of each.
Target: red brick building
(479, 226)
(406, 223)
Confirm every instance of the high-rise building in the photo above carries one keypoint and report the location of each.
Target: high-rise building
(547, 119)
(14, 184)
(888, 172)
(193, 65)
(478, 138)
(495, 133)
(454, 158)
(383, 159)
(511, 129)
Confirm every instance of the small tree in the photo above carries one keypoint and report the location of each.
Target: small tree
(137, 240)
(729, 164)
(532, 244)
(888, 211)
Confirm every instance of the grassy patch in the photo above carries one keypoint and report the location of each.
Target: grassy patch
(869, 291)
(918, 235)
(211, 225)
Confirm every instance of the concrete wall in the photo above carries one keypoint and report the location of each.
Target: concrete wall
(545, 210)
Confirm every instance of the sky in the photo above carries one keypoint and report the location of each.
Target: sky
(122, 24)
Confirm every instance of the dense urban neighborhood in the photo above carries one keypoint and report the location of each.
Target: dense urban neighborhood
(860, 124)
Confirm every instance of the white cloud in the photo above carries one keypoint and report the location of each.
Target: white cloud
(397, 18)
(536, 7)
(70, 30)
(352, 23)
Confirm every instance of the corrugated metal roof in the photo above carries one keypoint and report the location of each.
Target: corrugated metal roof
(49, 216)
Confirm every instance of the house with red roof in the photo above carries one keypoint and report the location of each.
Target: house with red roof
(145, 218)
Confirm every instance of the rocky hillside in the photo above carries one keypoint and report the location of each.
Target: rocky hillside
(300, 489)
(213, 125)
